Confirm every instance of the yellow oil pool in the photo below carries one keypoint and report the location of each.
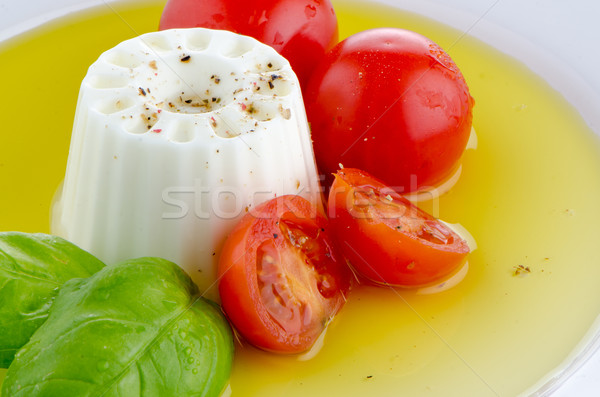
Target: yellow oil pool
(529, 195)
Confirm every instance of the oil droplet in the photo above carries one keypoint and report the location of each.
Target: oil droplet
(102, 365)
(103, 294)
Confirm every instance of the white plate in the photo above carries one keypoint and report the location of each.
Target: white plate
(556, 39)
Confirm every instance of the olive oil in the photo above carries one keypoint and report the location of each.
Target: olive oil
(528, 194)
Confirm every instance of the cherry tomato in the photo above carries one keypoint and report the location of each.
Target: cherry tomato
(386, 238)
(300, 30)
(280, 279)
(393, 103)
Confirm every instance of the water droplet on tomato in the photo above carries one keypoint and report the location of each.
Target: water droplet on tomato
(278, 39)
(327, 286)
(263, 18)
(310, 11)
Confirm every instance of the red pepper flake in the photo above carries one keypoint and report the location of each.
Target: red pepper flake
(157, 130)
(243, 106)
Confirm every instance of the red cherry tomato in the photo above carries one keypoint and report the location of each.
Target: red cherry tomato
(300, 30)
(386, 238)
(280, 280)
(390, 102)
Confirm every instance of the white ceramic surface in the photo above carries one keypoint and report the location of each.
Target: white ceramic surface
(555, 38)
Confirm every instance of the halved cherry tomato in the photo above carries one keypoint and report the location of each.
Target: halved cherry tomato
(300, 30)
(280, 279)
(390, 102)
(385, 237)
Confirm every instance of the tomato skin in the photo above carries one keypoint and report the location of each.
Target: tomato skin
(390, 102)
(313, 275)
(386, 238)
(300, 30)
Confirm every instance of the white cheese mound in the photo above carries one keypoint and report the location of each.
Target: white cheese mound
(177, 134)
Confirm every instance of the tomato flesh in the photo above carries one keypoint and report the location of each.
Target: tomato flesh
(393, 103)
(280, 278)
(386, 238)
(300, 30)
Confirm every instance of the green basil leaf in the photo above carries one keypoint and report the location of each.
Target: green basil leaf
(138, 328)
(33, 267)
